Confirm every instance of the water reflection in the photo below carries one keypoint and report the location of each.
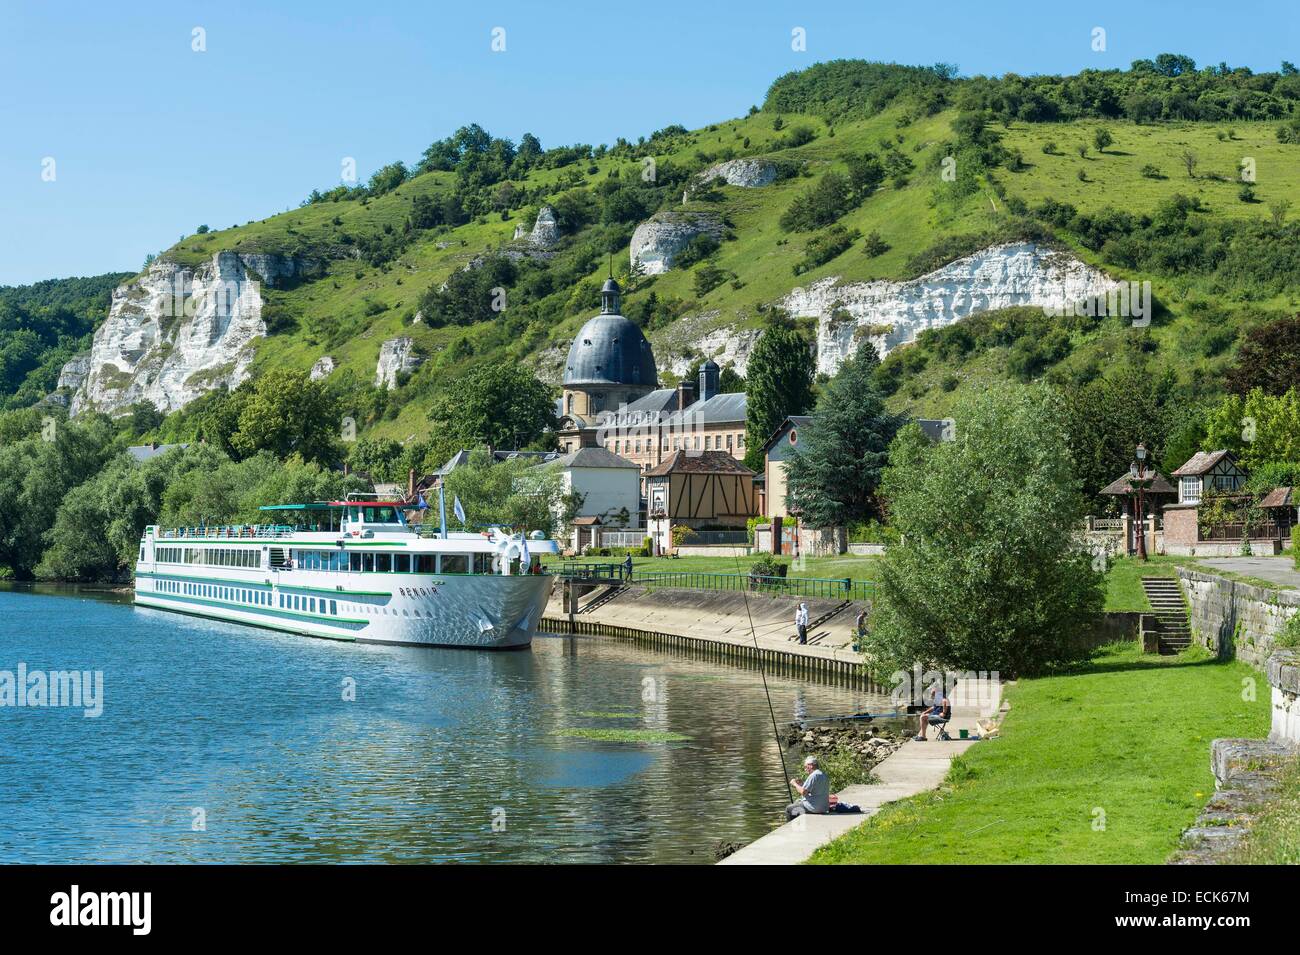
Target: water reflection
(444, 754)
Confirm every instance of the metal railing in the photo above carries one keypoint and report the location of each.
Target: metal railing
(597, 570)
(832, 588)
(228, 532)
(1264, 530)
(632, 538)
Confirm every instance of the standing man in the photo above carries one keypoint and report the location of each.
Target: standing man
(814, 792)
(801, 622)
(627, 569)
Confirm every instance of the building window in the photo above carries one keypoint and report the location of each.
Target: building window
(1191, 488)
(740, 440)
(708, 440)
(728, 442)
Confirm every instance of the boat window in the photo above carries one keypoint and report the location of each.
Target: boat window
(402, 563)
(368, 562)
(383, 563)
(354, 562)
(312, 601)
(334, 607)
(426, 564)
(455, 564)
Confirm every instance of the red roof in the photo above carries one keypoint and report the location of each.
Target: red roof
(698, 462)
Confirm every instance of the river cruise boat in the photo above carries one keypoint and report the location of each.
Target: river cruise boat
(352, 570)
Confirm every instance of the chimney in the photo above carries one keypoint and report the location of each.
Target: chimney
(685, 394)
(709, 375)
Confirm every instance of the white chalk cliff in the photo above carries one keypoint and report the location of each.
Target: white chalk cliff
(396, 356)
(176, 333)
(661, 238)
(894, 313)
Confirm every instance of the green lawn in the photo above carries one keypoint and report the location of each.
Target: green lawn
(1105, 765)
(1124, 581)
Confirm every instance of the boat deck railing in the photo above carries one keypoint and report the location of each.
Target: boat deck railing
(233, 531)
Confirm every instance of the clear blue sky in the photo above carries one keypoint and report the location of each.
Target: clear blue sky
(150, 138)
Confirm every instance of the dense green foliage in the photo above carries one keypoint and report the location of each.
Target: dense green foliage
(499, 406)
(988, 575)
(42, 326)
(834, 477)
(778, 384)
(513, 494)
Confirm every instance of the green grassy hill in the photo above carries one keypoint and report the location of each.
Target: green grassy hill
(381, 267)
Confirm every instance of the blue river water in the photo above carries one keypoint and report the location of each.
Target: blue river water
(224, 743)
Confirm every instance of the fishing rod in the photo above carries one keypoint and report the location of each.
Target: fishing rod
(762, 670)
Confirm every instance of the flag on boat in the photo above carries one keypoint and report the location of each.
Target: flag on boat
(422, 504)
(458, 510)
(525, 561)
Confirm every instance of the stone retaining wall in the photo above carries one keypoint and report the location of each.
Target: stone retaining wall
(1284, 678)
(1232, 619)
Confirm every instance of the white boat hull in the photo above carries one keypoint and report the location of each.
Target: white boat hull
(478, 611)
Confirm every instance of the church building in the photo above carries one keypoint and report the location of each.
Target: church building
(612, 399)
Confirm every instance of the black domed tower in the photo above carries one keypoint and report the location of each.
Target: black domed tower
(610, 362)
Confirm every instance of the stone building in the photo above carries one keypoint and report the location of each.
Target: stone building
(612, 399)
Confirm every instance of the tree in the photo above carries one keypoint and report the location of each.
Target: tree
(1258, 429)
(1101, 139)
(516, 494)
(1269, 359)
(500, 405)
(988, 575)
(866, 173)
(778, 383)
(834, 477)
(36, 473)
(820, 205)
(1188, 159)
(1107, 418)
(286, 413)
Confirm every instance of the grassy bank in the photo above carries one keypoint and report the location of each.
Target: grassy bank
(1107, 764)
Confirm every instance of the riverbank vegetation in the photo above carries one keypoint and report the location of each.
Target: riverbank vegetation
(992, 576)
(1104, 764)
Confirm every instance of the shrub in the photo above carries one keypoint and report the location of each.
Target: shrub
(1150, 171)
(825, 246)
(819, 206)
(874, 246)
(1295, 546)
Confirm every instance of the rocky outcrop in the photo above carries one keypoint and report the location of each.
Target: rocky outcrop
(747, 173)
(693, 337)
(661, 238)
(176, 333)
(894, 313)
(74, 373)
(546, 230)
(396, 357)
(322, 369)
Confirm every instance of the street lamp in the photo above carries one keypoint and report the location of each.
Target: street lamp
(1137, 480)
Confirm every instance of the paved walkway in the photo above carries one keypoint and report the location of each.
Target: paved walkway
(726, 617)
(1279, 570)
(913, 768)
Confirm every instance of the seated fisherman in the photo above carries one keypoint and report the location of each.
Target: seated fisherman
(815, 791)
(937, 715)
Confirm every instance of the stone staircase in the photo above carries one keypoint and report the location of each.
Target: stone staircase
(1170, 609)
